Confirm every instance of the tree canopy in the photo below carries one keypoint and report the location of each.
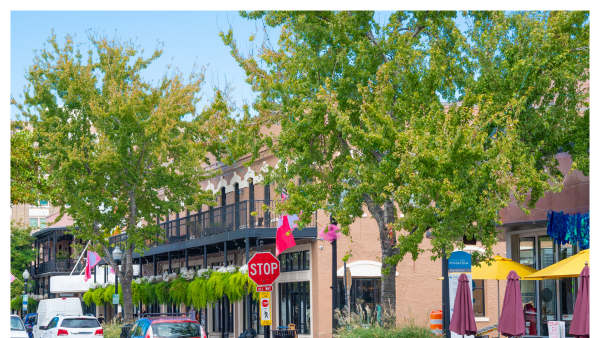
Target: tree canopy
(427, 125)
(122, 151)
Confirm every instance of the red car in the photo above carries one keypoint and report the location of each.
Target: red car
(166, 325)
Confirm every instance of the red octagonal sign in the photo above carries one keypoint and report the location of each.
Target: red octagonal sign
(263, 268)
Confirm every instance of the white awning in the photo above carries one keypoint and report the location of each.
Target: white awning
(362, 269)
(69, 284)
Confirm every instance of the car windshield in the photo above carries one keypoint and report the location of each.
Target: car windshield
(16, 324)
(168, 330)
(31, 320)
(82, 323)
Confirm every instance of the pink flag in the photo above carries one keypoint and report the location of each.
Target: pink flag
(12, 278)
(333, 232)
(284, 238)
(112, 270)
(92, 260)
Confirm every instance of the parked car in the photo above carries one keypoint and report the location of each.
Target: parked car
(159, 325)
(17, 329)
(50, 308)
(78, 326)
(29, 322)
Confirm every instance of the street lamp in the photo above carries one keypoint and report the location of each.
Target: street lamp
(25, 278)
(117, 258)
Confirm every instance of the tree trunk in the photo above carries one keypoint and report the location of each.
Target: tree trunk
(126, 285)
(385, 216)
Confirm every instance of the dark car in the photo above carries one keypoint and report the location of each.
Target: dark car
(29, 321)
(169, 325)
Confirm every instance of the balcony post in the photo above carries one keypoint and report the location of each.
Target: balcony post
(186, 259)
(204, 266)
(237, 205)
(225, 332)
(169, 253)
(154, 263)
(178, 225)
(223, 215)
(54, 243)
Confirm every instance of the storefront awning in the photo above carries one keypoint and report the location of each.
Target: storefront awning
(69, 284)
(362, 269)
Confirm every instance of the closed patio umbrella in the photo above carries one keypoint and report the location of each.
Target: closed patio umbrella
(463, 318)
(580, 325)
(512, 322)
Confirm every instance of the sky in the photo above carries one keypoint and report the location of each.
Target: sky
(188, 37)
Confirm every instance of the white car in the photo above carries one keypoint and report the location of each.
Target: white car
(17, 329)
(67, 326)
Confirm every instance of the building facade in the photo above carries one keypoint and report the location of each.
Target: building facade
(230, 233)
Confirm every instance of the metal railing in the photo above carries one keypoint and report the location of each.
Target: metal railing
(232, 217)
(59, 265)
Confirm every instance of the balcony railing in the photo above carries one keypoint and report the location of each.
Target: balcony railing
(231, 217)
(59, 265)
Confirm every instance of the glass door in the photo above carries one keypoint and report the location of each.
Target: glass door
(567, 289)
(547, 288)
(527, 257)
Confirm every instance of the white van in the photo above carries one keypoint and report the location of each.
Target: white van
(50, 308)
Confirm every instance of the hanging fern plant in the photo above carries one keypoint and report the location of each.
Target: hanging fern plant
(178, 291)
(162, 292)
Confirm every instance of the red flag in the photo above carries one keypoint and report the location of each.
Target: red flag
(284, 238)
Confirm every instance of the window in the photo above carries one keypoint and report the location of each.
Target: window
(364, 292)
(79, 323)
(43, 203)
(295, 261)
(37, 222)
(294, 300)
(478, 298)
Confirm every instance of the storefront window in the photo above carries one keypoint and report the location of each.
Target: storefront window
(365, 292)
(295, 261)
(295, 305)
(478, 298)
(547, 288)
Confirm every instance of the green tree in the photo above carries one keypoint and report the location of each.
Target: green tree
(22, 253)
(28, 184)
(428, 126)
(113, 141)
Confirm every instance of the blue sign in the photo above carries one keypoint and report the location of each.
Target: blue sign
(459, 261)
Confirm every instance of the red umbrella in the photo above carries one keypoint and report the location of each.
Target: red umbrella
(512, 321)
(463, 319)
(580, 325)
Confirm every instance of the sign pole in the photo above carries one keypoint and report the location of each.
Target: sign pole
(267, 326)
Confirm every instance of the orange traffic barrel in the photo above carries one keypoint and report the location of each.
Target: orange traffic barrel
(436, 322)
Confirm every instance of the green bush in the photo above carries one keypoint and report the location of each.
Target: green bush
(376, 331)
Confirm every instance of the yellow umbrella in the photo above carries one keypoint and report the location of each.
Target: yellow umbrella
(498, 270)
(568, 267)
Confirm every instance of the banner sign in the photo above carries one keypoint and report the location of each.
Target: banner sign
(459, 261)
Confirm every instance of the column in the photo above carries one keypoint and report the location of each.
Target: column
(186, 259)
(248, 332)
(205, 266)
(169, 253)
(225, 306)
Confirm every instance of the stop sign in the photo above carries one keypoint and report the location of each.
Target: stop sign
(265, 303)
(263, 268)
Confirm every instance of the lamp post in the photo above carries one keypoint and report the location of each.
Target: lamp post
(117, 258)
(25, 278)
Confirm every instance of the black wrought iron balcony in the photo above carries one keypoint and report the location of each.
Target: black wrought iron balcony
(59, 266)
(241, 215)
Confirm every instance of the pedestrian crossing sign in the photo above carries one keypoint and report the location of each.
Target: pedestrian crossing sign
(265, 308)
